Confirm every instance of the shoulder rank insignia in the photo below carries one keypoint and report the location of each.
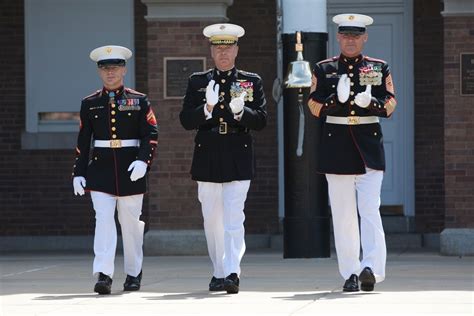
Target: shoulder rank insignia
(150, 117)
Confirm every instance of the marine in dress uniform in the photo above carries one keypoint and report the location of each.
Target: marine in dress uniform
(350, 92)
(224, 104)
(123, 129)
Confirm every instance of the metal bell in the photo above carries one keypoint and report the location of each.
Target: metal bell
(299, 74)
(299, 71)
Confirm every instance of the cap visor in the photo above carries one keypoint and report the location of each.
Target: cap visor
(107, 62)
(351, 30)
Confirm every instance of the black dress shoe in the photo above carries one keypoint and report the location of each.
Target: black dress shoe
(132, 283)
(367, 280)
(104, 284)
(351, 284)
(216, 284)
(231, 283)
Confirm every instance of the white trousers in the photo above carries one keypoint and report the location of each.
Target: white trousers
(347, 194)
(129, 209)
(223, 213)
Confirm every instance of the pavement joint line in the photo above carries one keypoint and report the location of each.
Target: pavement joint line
(29, 271)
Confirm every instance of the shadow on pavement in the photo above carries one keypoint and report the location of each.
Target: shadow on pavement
(323, 296)
(76, 296)
(188, 296)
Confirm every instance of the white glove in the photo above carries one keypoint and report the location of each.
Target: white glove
(343, 88)
(212, 93)
(79, 183)
(363, 99)
(138, 169)
(237, 104)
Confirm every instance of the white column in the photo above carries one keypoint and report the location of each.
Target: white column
(304, 16)
(296, 15)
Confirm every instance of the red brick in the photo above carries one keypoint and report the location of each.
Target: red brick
(429, 116)
(459, 168)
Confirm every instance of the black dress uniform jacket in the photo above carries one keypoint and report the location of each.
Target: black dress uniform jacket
(349, 149)
(223, 150)
(107, 115)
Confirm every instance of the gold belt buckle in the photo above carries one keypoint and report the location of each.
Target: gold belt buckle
(223, 128)
(115, 143)
(353, 120)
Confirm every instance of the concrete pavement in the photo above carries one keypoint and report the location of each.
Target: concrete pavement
(419, 283)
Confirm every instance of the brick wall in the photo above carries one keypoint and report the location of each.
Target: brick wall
(173, 202)
(458, 124)
(173, 197)
(141, 73)
(429, 116)
(257, 53)
(35, 187)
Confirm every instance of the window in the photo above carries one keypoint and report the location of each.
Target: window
(59, 35)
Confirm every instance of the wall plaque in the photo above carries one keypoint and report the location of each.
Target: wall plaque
(467, 73)
(176, 73)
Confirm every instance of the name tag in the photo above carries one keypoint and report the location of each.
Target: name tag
(96, 107)
(332, 75)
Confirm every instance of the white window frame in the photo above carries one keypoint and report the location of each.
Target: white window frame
(58, 71)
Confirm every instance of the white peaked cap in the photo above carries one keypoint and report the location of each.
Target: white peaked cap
(223, 33)
(352, 22)
(110, 52)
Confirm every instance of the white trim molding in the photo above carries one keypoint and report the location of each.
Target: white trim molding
(458, 8)
(51, 106)
(170, 10)
(367, 6)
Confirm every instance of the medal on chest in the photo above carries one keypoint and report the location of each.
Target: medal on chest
(238, 87)
(128, 105)
(370, 74)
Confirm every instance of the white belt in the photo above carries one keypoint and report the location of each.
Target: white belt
(117, 143)
(352, 120)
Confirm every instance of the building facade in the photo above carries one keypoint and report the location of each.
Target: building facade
(46, 70)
